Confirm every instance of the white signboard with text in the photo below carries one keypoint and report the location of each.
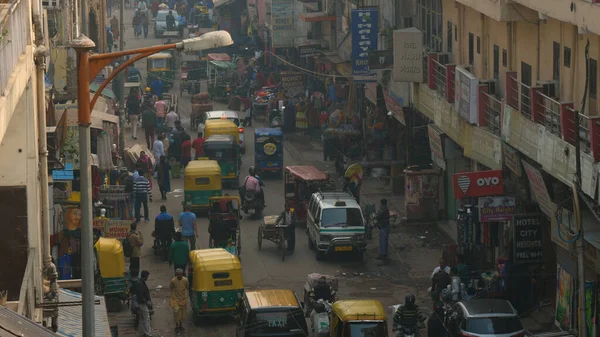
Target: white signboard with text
(408, 55)
(465, 97)
(282, 23)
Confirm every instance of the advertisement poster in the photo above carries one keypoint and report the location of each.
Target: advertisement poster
(282, 23)
(539, 189)
(465, 96)
(527, 238)
(117, 229)
(365, 32)
(564, 298)
(72, 216)
(477, 184)
(493, 209)
(590, 305)
(99, 224)
(292, 83)
(408, 55)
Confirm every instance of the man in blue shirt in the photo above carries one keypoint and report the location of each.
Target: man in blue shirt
(189, 229)
(157, 87)
(164, 230)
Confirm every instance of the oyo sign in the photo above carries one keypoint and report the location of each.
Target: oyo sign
(477, 184)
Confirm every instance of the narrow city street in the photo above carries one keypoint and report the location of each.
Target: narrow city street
(261, 269)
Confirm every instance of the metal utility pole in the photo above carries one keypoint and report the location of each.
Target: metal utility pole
(83, 45)
(122, 28)
(84, 17)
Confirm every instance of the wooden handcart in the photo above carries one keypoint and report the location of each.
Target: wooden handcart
(274, 231)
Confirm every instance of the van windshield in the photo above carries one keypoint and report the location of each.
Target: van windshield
(277, 321)
(333, 217)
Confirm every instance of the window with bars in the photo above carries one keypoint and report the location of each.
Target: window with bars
(429, 20)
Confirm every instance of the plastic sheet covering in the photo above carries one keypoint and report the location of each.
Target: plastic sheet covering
(70, 318)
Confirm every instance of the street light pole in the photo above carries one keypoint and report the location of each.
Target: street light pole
(83, 46)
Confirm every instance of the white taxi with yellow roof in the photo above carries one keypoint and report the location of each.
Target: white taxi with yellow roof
(229, 115)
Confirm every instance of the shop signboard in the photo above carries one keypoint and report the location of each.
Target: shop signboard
(282, 23)
(381, 59)
(309, 50)
(394, 107)
(494, 209)
(523, 134)
(564, 298)
(477, 184)
(292, 83)
(512, 159)
(117, 229)
(539, 189)
(99, 224)
(408, 55)
(486, 148)
(527, 238)
(465, 95)
(436, 145)
(364, 24)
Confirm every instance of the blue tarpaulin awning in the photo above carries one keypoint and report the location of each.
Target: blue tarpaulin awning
(63, 175)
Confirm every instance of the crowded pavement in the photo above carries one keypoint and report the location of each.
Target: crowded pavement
(264, 269)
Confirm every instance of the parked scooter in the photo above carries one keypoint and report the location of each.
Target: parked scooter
(319, 318)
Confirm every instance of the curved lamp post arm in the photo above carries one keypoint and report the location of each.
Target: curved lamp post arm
(99, 61)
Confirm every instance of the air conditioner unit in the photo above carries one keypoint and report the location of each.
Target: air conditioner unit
(443, 58)
(549, 88)
(491, 85)
(51, 4)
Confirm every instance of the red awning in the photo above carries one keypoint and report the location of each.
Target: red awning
(316, 17)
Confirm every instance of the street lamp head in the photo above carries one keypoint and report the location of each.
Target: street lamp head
(82, 42)
(209, 40)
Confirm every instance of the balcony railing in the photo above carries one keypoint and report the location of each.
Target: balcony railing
(439, 73)
(440, 77)
(490, 113)
(550, 110)
(584, 132)
(425, 67)
(13, 44)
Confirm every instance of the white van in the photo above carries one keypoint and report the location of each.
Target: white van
(335, 223)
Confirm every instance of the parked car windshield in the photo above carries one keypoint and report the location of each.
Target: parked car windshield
(366, 330)
(281, 321)
(493, 325)
(333, 217)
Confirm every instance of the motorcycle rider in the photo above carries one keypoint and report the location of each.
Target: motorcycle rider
(321, 291)
(251, 184)
(407, 316)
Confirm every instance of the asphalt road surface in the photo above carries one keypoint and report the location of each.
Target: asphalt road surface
(261, 269)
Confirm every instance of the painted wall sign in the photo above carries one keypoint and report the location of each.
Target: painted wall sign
(282, 23)
(539, 189)
(436, 145)
(292, 83)
(408, 55)
(477, 184)
(365, 32)
(493, 209)
(527, 238)
(381, 59)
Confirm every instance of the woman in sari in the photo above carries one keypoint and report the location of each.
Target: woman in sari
(164, 177)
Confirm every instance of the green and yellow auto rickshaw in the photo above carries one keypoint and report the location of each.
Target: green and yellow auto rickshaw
(226, 151)
(216, 282)
(161, 66)
(111, 278)
(202, 180)
(358, 318)
(220, 72)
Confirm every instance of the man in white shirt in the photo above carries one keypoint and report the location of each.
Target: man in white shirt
(142, 6)
(456, 286)
(442, 266)
(172, 116)
(158, 149)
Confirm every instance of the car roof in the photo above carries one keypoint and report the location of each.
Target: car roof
(307, 172)
(350, 310)
(487, 307)
(271, 298)
(328, 199)
(221, 113)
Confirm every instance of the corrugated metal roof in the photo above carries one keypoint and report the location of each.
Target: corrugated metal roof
(66, 174)
(13, 324)
(70, 318)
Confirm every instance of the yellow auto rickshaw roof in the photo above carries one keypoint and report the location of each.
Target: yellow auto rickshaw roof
(268, 298)
(216, 259)
(219, 123)
(160, 56)
(352, 310)
(108, 245)
(203, 167)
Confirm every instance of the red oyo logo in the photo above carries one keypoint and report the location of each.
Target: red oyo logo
(477, 184)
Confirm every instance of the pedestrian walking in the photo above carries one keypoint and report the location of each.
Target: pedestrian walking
(197, 145)
(144, 302)
(145, 23)
(114, 27)
(161, 112)
(133, 111)
(383, 223)
(137, 24)
(176, 140)
(288, 217)
(136, 241)
(149, 124)
(170, 120)
(164, 229)
(164, 177)
(154, 8)
(110, 40)
(158, 149)
(186, 149)
(170, 21)
(141, 189)
(157, 87)
(180, 290)
(189, 229)
(145, 163)
(179, 253)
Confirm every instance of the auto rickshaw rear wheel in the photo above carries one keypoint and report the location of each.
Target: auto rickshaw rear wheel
(113, 303)
(260, 234)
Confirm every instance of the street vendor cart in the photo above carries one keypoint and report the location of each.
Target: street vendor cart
(272, 228)
(192, 72)
(300, 183)
(220, 72)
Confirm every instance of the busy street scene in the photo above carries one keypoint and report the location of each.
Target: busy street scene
(300, 168)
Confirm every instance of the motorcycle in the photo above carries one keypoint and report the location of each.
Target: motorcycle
(414, 331)
(252, 204)
(275, 118)
(319, 318)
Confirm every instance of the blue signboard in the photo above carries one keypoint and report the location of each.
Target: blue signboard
(365, 30)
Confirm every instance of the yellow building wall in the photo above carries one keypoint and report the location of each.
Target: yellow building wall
(473, 24)
(526, 48)
(496, 33)
(450, 13)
